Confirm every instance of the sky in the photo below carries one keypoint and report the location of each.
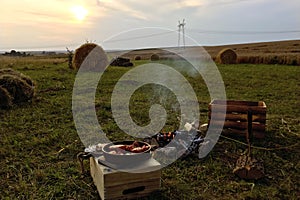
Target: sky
(131, 24)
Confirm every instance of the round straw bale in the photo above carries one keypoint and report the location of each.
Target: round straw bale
(226, 56)
(17, 88)
(138, 58)
(154, 57)
(5, 98)
(18, 74)
(83, 51)
(121, 62)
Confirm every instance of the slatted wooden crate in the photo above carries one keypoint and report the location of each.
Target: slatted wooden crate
(236, 121)
(112, 184)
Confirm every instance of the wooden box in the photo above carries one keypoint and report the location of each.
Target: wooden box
(236, 121)
(112, 184)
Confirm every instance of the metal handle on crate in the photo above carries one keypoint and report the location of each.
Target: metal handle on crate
(81, 157)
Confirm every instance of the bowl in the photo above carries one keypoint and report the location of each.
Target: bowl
(123, 157)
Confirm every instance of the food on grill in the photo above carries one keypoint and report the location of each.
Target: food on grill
(135, 147)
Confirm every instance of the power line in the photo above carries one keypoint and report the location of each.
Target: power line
(242, 32)
(180, 27)
(41, 47)
(109, 41)
(139, 37)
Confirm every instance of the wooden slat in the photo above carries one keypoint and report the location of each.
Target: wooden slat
(239, 117)
(117, 191)
(256, 134)
(238, 109)
(242, 133)
(234, 102)
(120, 178)
(238, 125)
(238, 106)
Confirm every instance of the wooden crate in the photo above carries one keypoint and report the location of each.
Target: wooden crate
(112, 184)
(236, 121)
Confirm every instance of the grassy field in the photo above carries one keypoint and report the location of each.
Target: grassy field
(39, 142)
(277, 52)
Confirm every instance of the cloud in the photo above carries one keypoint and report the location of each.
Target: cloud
(189, 3)
(121, 8)
(182, 4)
(157, 10)
(51, 21)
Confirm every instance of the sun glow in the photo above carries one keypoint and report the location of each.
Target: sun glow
(79, 12)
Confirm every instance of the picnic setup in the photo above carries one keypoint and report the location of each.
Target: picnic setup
(132, 169)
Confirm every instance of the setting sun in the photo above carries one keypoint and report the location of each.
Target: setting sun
(79, 12)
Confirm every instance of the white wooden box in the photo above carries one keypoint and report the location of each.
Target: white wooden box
(112, 184)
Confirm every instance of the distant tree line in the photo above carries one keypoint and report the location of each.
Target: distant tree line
(16, 53)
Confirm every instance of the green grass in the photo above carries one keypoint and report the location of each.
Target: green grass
(39, 142)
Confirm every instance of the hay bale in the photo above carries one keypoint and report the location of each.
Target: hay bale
(226, 56)
(138, 58)
(81, 53)
(18, 74)
(18, 89)
(5, 98)
(154, 57)
(15, 88)
(121, 62)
